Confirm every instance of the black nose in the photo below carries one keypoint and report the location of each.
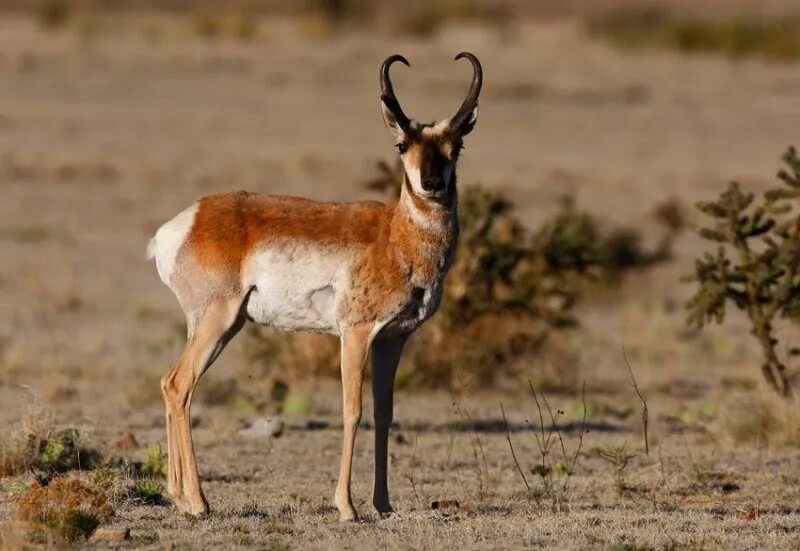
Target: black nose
(432, 184)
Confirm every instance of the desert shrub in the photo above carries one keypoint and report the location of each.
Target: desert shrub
(421, 19)
(508, 296)
(212, 25)
(243, 26)
(340, 11)
(426, 19)
(64, 510)
(775, 38)
(756, 265)
(206, 25)
(53, 13)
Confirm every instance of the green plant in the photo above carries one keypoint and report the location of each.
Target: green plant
(155, 462)
(619, 458)
(149, 492)
(756, 266)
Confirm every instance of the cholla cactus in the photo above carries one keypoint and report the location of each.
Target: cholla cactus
(756, 266)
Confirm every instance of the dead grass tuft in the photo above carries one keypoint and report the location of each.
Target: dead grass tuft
(761, 418)
(64, 510)
(50, 452)
(40, 447)
(19, 449)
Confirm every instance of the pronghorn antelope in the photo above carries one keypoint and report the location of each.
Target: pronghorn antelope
(367, 272)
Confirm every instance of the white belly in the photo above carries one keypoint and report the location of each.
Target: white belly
(295, 289)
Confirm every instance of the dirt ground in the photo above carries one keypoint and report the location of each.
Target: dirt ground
(105, 134)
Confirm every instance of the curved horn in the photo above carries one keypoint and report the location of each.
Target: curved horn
(471, 101)
(387, 91)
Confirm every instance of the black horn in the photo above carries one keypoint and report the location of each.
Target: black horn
(471, 101)
(387, 91)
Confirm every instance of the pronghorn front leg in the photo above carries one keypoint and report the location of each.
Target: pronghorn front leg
(355, 346)
(385, 357)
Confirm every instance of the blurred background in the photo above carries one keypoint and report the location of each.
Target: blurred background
(602, 123)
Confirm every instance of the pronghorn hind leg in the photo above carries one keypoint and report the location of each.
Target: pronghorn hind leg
(217, 326)
(385, 358)
(355, 347)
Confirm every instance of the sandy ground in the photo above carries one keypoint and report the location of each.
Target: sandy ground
(103, 138)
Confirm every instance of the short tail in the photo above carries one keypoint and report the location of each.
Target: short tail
(151, 249)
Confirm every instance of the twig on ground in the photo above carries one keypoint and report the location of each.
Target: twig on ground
(410, 475)
(643, 399)
(545, 442)
(511, 447)
(580, 439)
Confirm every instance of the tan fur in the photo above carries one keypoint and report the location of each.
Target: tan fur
(393, 252)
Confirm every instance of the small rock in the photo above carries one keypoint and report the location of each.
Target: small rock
(264, 428)
(110, 534)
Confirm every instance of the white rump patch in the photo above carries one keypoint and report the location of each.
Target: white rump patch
(168, 240)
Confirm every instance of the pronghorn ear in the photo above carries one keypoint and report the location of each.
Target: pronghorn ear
(390, 119)
(469, 123)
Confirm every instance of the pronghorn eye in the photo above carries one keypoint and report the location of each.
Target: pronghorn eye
(402, 147)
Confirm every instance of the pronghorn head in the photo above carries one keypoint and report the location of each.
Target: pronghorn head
(429, 152)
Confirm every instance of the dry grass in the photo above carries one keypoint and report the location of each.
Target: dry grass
(38, 446)
(210, 25)
(20, 448)
(650, 27)
(758, 418)
(417, 19)
(64, 510)
(45, 452)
